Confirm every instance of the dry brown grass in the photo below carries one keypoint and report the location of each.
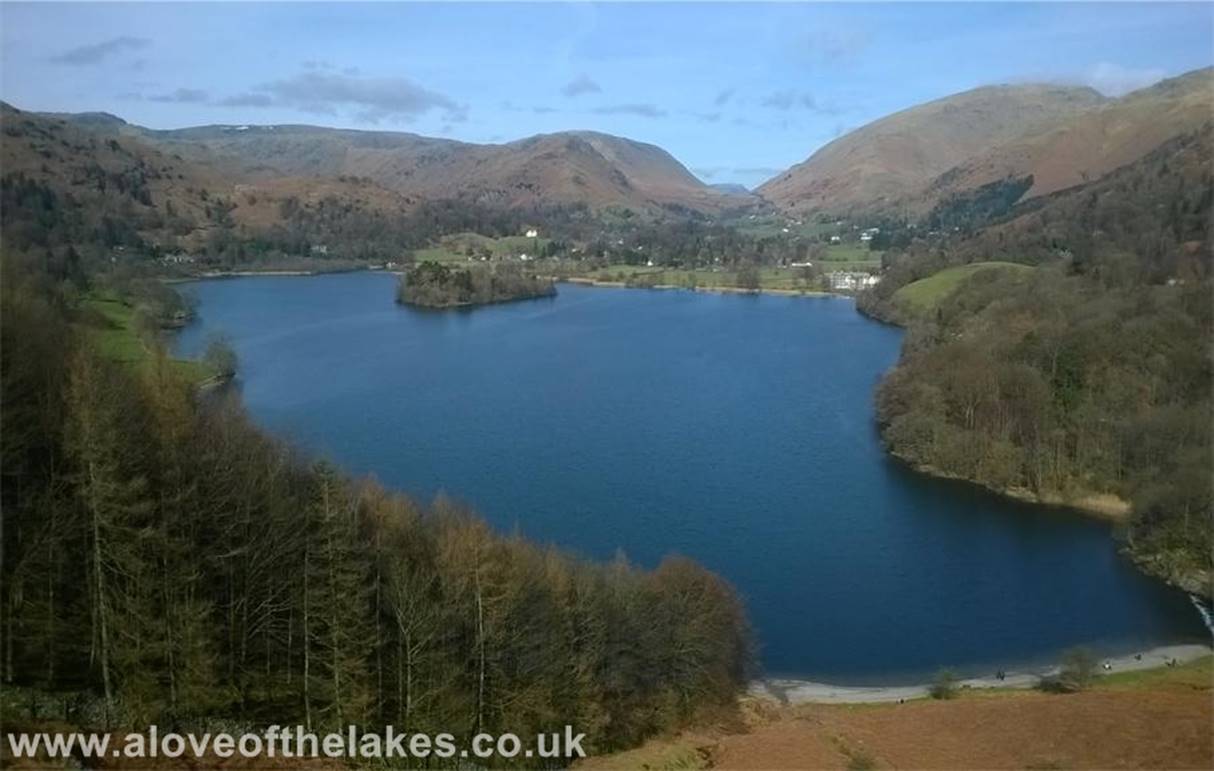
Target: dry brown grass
(1095, 142)
(897, 156)
(1157, 719)
(1062, 137)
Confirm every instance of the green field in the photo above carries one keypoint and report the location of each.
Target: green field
(1196, 674)
(853, 253)
(640, 275)
(774, 225)
(924, 295)
(118, 339)
(455, 248)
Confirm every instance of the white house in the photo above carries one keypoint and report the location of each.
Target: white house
(841, 281)
(851, 281)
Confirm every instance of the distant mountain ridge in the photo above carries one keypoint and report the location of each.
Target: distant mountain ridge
(1095, 142)
(972, 154)
(884, 161)
(1060, 136)
(573, 167)
(732, 187)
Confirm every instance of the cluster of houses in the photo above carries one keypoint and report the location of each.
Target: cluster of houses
(866, 235)
(851, 281)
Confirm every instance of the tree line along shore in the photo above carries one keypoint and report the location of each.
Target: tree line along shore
(1062, 355)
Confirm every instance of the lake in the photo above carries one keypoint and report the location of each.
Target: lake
(737, 430)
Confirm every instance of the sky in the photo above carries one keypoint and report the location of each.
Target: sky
(737, 92)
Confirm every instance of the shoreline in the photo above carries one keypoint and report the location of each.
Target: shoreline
(793, 692)
(1106, 507)
(213, 274)
(579, 280)
(1103, 507)
(583, 281)
(456, 306)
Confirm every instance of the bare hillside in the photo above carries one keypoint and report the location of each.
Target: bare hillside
(887, 160)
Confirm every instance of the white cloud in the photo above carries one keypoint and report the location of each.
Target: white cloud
(640, 110)
(1114, 80)
(181, 95)
(582, 84)
(92, 54)
(322, 91)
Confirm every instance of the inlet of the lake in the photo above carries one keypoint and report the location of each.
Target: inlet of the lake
(737, 430)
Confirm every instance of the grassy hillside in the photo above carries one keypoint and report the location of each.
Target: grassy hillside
(1094, 142)
(574, 167)
(113, 325)
(890, 159)
(1029, 141)
(767, 278)
(926, 294)
(461, 247)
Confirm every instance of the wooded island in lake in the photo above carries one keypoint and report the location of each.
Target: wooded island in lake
(434, 285)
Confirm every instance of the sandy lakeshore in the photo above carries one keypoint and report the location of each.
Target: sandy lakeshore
(806, 692)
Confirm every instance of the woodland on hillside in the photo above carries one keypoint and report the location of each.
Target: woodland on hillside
(165, 562)
(72, 192)
(1090, 374)
(95, 223)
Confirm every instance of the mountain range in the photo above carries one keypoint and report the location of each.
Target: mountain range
(1046, 138)
(599, 170)
(1061, 137)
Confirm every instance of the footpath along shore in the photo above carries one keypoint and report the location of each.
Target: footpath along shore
(805, 692)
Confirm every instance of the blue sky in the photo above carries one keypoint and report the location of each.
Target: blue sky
(735, 91)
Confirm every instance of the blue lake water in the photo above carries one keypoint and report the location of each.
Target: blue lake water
(737, 430)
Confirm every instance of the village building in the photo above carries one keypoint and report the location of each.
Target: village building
(851, 281)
